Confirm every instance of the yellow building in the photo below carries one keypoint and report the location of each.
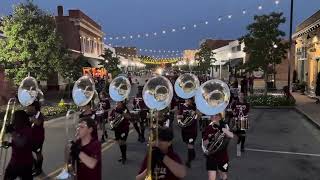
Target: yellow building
(307, 37)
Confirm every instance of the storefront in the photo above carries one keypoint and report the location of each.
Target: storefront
(307, 65)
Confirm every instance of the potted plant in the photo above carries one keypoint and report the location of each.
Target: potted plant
(303, 87)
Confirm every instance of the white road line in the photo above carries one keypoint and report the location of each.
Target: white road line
(282, 152)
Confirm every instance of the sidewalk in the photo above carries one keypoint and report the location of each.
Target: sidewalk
(307, 106)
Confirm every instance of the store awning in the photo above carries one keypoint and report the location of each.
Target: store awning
(235, 62)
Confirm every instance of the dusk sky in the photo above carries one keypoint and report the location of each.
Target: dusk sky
(132, 17)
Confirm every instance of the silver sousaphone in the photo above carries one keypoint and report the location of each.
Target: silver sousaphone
(186, 87)
(82, 93)
(119, 90)
(157, 94)
(212, 98)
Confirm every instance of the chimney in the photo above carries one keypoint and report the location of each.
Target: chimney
(60, 10)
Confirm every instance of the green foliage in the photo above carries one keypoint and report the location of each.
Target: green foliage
(76, 65)
(31, 44)
(270, 100)
(263, 34)
(110, 62)
(204, 58)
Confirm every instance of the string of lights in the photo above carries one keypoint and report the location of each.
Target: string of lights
(177, 29)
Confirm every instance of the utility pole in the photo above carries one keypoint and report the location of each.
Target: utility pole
(290, 44)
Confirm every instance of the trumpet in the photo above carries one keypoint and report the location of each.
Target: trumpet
(82, 93)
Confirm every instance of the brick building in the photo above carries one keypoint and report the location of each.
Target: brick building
(80, 35)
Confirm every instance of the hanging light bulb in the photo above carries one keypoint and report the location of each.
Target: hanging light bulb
(131, 37)
(155, 33)
(244, 11)
(194, 25)
(230, 16)
(219, 18)
(183, 28)
(260, 7)
(173, 30)
(277, 2)
(206, 22)
(163, 32)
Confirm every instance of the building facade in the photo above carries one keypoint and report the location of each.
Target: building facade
(307, 38)
(227, 59)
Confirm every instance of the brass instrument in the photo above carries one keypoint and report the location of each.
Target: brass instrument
(186, 87)
(119, 90)
(82, 93)
(212, 98)
(28, 92)
(157, 95)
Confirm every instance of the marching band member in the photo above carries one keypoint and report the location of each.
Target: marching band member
(20, 164)
(241, 109)
(166, 164)
(86, 151)
(87, 111)
(38, 135)
(138, 103)
(218, 161)
(189, 132)
(122, 130)
(102, 115)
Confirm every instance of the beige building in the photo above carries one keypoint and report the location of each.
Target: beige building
(307, 37)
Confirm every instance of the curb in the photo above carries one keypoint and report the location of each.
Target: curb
(276, 107)
(314, 123)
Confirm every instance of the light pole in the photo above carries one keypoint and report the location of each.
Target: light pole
(290, 44)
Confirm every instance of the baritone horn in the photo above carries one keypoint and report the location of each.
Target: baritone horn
(157, 95)
(28, 92)
(82, 93)
(212, 98)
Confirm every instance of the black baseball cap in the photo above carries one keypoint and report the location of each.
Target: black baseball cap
(165, 134)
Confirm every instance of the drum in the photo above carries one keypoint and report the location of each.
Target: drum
(241, 123)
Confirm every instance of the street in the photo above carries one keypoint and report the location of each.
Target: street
(281, 144)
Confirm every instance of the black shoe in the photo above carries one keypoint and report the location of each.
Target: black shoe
(242, 149)
(139, 139)
(37, 172)
(124, 161)
(188, 164)
(120, 160)
(143, 139)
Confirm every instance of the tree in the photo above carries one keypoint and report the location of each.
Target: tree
(204, 58)
(31, 44)
(264, 43)
(110, 62)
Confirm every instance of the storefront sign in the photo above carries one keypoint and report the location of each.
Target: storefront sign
(95, 72)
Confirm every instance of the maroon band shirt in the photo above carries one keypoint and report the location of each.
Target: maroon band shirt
(93, 149)
(22, 147)
(220, 156)
(124, 125)
(241, 109)
(163, 172)
(186, 111)
(38, 130)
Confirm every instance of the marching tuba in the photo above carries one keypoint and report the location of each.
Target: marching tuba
(28, 92)
(82, 93)
(119, 90)
(212, 98)
(157, 95)
(186, 87)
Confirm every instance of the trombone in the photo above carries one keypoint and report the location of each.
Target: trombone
(157, 95)
(82, 93)
(28, 92)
